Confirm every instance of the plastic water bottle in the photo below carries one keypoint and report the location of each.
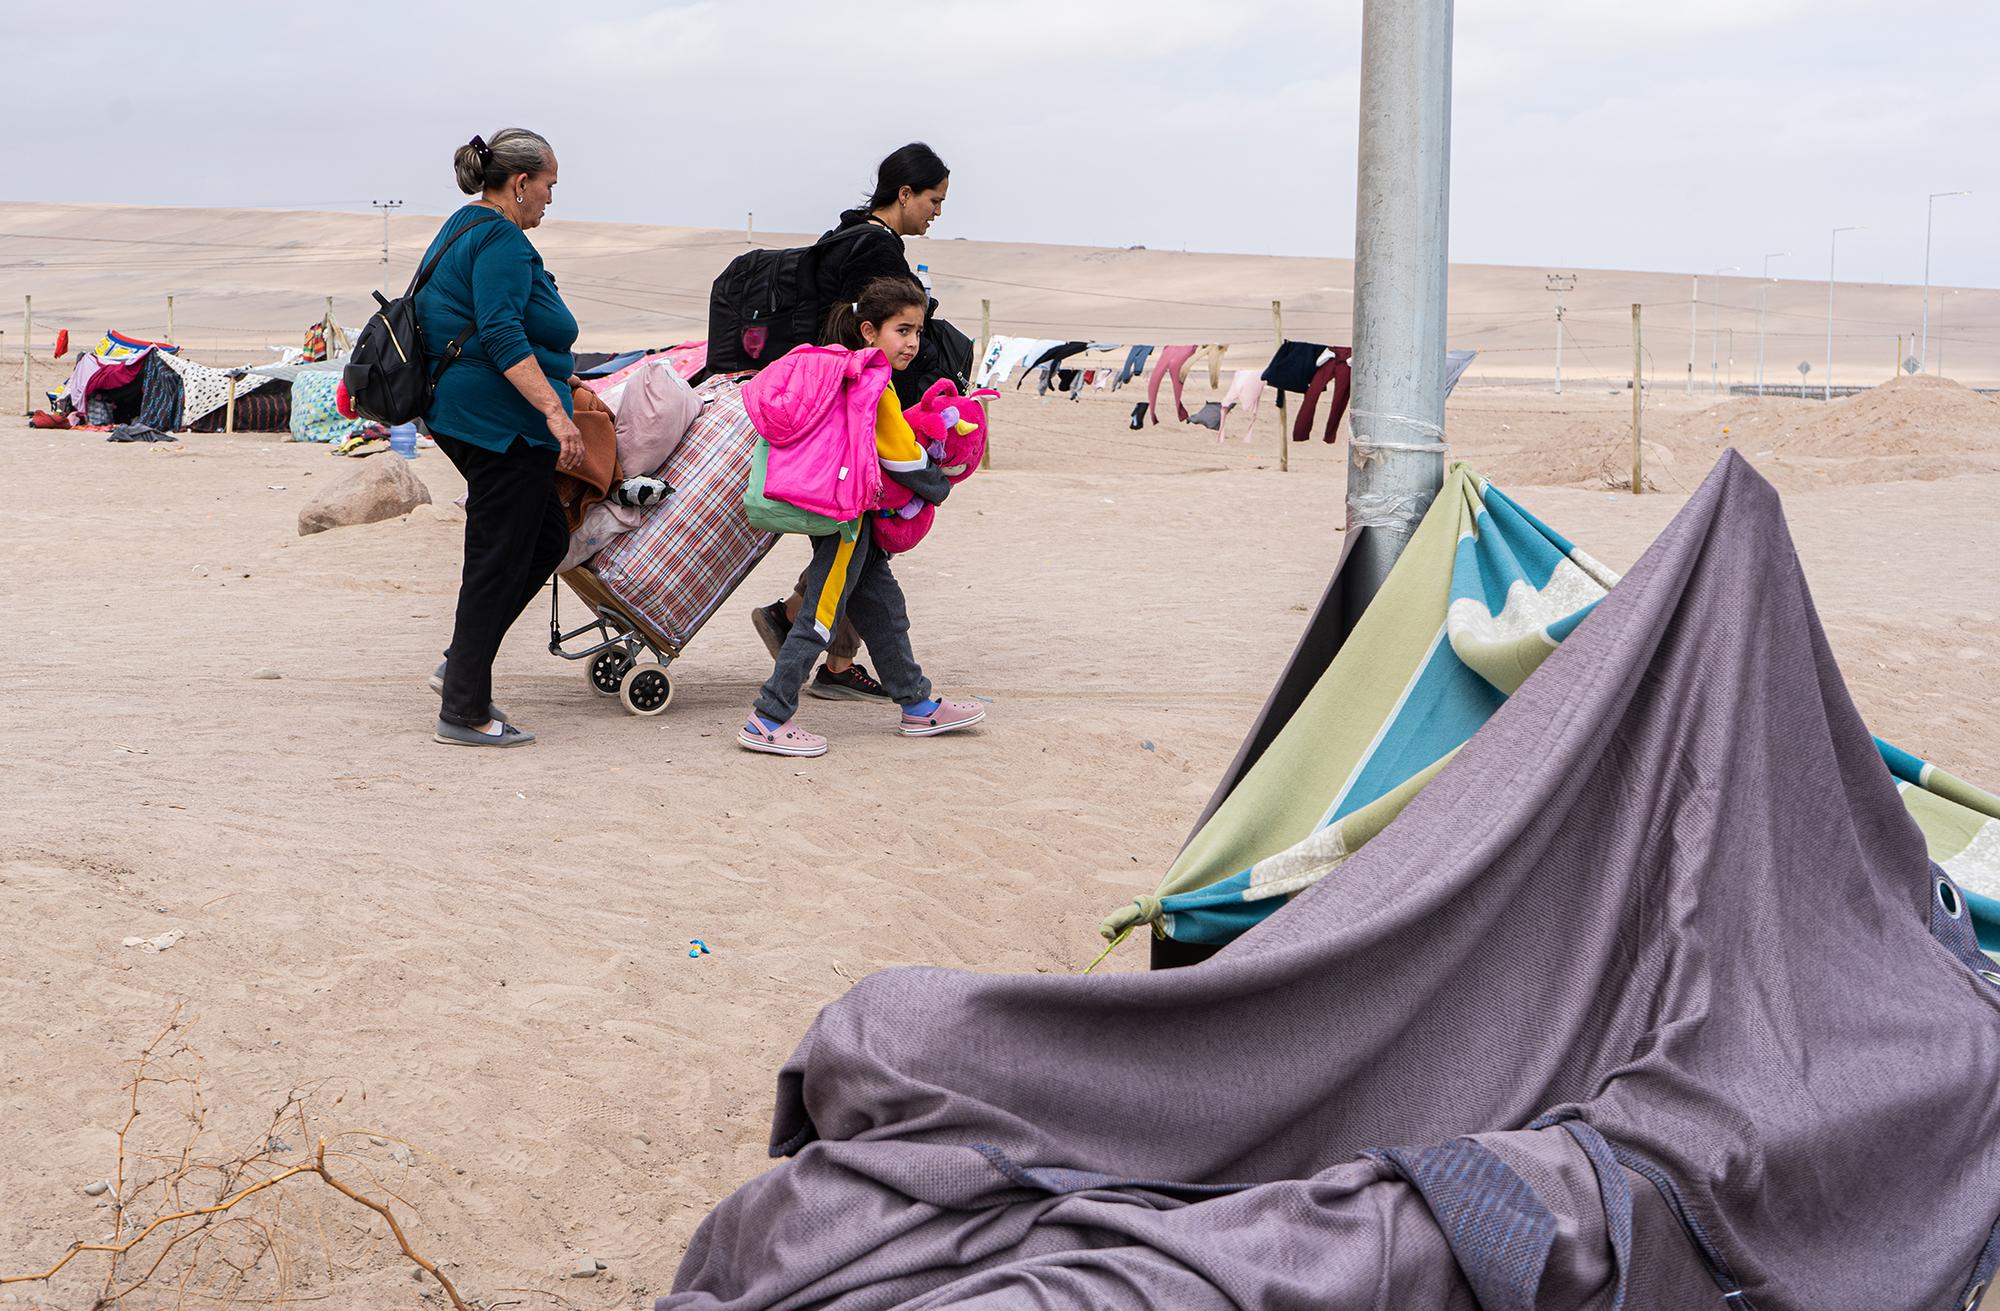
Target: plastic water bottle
(403, 440)
(924, 277)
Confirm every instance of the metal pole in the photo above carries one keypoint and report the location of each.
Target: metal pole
(170, 320)
(1763, 296)
(1833, 248)
(1638, 390)
(1924, 355)
(1713, 331)
(1396, 456)
(1284, 429)
(27, 356)
(749, 227)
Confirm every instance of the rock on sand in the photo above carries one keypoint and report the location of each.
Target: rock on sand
(380, 489)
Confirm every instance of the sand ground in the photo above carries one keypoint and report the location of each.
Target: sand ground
(485, 954)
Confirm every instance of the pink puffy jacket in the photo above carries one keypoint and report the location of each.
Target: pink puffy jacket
(816, 407)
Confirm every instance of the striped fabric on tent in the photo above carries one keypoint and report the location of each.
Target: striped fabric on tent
(1481, 595)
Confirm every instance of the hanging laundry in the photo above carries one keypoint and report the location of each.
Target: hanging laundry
(1058, 352)
(1337, 372)
(1138, 416)
(1006, 354)
(1455, 363)
(1173, 364)
(1135, 364)
(1246, 389)
(1208, 416)
(1292, 368)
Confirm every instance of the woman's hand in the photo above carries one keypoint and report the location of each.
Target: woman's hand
(563, 429)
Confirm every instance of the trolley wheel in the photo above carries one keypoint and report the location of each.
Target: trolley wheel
(605, 670)
(646, 691)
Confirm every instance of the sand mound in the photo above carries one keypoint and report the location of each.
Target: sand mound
(1909, 430)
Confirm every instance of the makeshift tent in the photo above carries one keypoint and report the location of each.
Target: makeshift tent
(208, 389)
(171, 392)
(687, 359)
(1651, 998)
(315, 417)
(1480, 597)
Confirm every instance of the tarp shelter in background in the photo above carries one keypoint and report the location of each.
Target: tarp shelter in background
(1652, 997)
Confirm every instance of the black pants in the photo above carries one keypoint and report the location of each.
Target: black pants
(515, 535)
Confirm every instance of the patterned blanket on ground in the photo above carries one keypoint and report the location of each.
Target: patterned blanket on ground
(1484, 592)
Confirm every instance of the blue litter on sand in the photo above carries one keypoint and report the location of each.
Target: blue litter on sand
(696, 947)
(987, 699)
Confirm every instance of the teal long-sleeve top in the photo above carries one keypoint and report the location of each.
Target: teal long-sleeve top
(492, 280)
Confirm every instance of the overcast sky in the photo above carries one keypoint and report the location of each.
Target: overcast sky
(1588, 133)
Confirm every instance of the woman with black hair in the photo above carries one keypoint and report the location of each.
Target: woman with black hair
(909, 193)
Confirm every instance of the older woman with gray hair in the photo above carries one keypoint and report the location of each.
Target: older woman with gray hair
(497, 338)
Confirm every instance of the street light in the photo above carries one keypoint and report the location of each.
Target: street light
(1941, 304)
(1924, 355)
(1832, 248)
(1713, 331)
(1763, 294)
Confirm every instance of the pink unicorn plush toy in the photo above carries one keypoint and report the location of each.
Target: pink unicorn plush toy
(953, 429)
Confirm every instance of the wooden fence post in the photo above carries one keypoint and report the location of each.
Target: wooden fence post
(985, 338)
(1284, 428)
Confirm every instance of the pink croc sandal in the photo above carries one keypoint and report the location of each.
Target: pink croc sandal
(948, 716)
(787, 739)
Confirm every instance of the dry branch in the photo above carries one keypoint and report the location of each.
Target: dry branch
(199, 1224)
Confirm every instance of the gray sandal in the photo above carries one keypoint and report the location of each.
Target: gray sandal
(493, 710)
(459, 735)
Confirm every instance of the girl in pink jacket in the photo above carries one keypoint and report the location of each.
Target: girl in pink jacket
(810, 404)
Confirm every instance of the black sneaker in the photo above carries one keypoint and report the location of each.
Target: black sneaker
(853, 683)
(771, 625)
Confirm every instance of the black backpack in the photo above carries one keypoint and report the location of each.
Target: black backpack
(766, 302)
(945, 352)
(385, 375)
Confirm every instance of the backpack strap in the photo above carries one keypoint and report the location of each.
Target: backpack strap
(452, 349)
(423, 274)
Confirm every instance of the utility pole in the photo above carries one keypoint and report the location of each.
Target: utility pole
(387, 207)
(1713, 331)
(1638, 391)
(1833, 249)
(749, 227)
(1763, 296)
(1560, 283)
(1924, 356)
(1694, 329)
(1402, 207)
(170, 319)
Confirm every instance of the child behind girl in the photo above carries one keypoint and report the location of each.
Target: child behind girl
(852, 578)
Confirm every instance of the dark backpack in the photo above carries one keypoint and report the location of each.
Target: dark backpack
(766, 302)
(385, 377)
(945, 352)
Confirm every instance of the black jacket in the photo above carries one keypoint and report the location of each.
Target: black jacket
(849, 265)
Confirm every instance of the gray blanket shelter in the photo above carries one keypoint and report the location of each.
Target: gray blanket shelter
(1652, 998)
